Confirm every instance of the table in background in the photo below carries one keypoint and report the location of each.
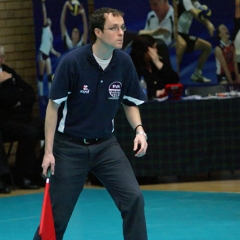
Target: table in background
(185, 137)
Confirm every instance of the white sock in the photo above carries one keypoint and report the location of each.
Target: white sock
(49, 86)
(198, 71)
(40, 88)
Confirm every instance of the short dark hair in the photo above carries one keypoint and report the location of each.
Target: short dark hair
(97, 19)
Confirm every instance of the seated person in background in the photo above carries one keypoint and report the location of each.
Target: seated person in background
(160, 20)
(75, 40)
(236, 35)
(187, 9)
(16, 124)
(4, 169)
(148, 64)
(159, 24)
(225, 53)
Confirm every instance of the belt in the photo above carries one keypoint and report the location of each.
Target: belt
(81, 141)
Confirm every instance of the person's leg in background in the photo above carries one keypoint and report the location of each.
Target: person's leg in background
(49, 72)
(4, 169)
(205, 48)
(188, 44)
(41, 68)
(28, 135)
(182, 46)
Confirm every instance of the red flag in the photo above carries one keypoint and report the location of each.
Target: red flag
(46, 229)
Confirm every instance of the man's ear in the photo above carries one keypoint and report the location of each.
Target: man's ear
(97, 32)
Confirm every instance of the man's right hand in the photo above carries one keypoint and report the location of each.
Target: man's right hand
(48, 162)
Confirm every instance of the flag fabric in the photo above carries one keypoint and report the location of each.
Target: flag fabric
(46, 229)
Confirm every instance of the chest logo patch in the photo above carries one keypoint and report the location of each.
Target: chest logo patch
(85, 89)
(115, 90)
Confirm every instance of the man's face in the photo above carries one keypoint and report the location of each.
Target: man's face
(112, 34)
(156, 5)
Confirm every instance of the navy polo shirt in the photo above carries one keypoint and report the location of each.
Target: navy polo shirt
(90, 96)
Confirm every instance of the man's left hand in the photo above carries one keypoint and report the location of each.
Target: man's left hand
(140, 145)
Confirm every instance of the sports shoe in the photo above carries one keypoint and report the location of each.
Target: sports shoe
(199, 78)
(4, 188)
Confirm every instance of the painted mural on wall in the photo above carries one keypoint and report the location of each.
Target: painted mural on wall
(141, 14)
(60, 26)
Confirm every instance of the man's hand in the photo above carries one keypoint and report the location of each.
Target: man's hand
(48, 162)
(160, 31)
(155, 32)
(140, 145)
(4, 76)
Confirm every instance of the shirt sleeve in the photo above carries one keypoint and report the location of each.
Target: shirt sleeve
(134, 94)
(197, 5)
(188, 5)
(61, 86)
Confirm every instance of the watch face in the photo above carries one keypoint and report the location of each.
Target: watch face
(143, 133)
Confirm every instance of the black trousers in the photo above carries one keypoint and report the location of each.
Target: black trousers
(27, 133)
(106, 160)
(4, 169)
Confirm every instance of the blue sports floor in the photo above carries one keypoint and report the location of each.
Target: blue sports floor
(170, 215)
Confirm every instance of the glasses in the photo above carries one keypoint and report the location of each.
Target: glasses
(117, 28)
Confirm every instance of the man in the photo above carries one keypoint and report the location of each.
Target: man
(161, 17)
(159, 24)
(16, 123)
(187, 9)
(75, 40)
(90, 84)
